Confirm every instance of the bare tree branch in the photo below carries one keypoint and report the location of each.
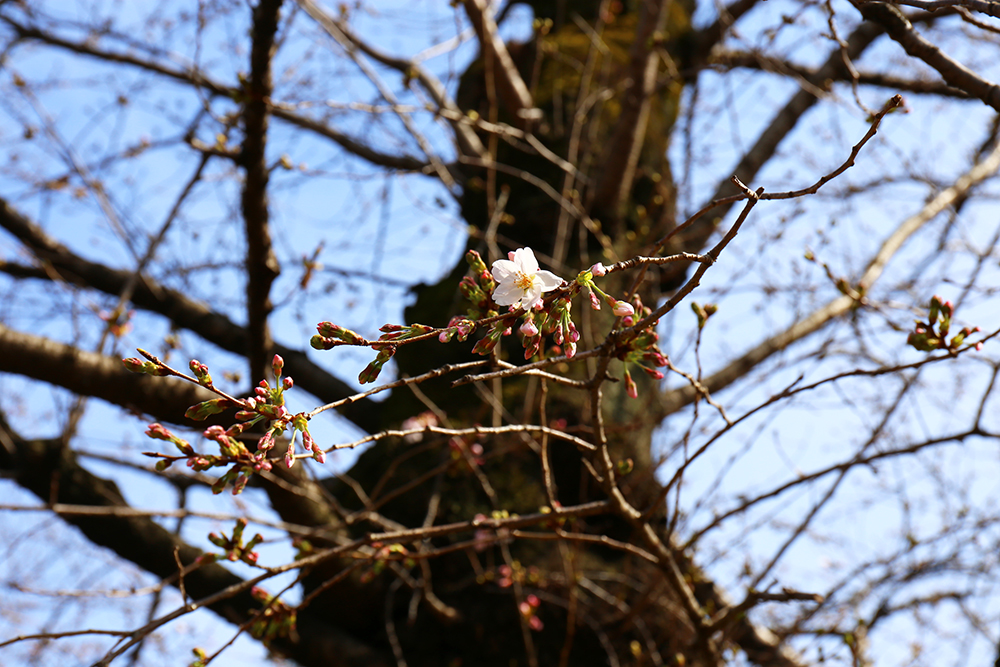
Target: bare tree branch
(54, 474)
(59, 263)
(204, 82)
(899, 28)
(982, 6)
(101, 376)
(351, 48)
(676, 399)
(468, 141)
(621, 155)
(759, 61)
(261, 264)
(513, 90)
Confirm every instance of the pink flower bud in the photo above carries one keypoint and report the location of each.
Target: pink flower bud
(599, 269)
(529, 329)
(134, 365)
(623, 309)
(595, 303)
(630, 387)
(287, 383)
(158, 432)
(266, 442)
(570, 350)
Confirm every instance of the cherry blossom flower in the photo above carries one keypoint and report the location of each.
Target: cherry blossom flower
(521, 283)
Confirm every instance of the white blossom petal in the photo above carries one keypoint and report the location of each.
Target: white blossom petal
(525, 258)
(504, 268)
(506, 294)
(549, 280)
(532, 295)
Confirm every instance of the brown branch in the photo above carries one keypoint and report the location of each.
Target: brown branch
(621, 154)
(59, 263)
(335, 31)
(695, 237)
(764, 63)
(468, 141)
(708, 37)
(204, 82)
(261, 264)
(900, 29)
(53, 474)
(678, 398)
(982, 6)
(92, 374)
(513, 91)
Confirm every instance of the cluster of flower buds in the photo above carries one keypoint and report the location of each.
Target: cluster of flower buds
(276, 619)
(563, 330)
(244, 464)
(330, 336)
(398, 332)
(500, 328)
(266, 405)
(933, 334)
(516, 282)
(234, 547)
(640, 348)
(508, 574)
(119, 321)
(461, 449)
(371, 371)
(477, 287)
(586, 279)
(232, 452)
(703, 312)
(148, 367)
(528, 609)
(383, 554)
(459, 326)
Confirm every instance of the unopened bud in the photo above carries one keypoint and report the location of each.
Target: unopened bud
(622, 309)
